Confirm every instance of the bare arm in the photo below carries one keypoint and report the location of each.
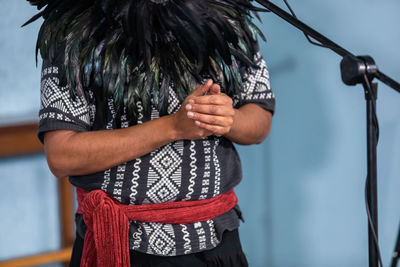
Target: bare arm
(75, 153)
(78, 153)
(251, 125)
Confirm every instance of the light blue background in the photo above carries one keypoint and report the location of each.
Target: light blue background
(303, 189)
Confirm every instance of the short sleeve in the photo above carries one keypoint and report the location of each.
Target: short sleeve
(58, 109)
(256, 85)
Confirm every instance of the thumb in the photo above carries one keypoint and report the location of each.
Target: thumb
(202, 89)
(215, 89)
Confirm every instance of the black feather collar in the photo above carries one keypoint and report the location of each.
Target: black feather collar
(134, 49)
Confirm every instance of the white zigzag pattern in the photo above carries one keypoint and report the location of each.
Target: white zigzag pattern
(136, 165)
(137, 237)
(135, 184)
(213, 237)
(186, 246)
(192, 170)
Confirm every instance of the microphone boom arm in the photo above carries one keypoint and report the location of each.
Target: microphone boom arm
(326, 42)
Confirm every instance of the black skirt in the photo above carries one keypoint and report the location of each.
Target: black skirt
(228, 253)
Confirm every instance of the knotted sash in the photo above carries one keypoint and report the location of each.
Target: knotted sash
(107, 235)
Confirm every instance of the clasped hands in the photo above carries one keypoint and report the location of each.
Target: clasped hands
(206, 111)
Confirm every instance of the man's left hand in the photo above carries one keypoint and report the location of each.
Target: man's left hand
(213, 111)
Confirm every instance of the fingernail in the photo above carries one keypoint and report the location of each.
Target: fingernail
(191, 101)
(190, 114)
(188, 107)
(197, 123)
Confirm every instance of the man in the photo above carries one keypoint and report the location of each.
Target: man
(145, 153)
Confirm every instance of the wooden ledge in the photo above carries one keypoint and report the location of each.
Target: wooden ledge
(62, 255)
(19, 140)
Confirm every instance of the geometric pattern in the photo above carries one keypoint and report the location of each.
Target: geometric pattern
(111, 109)
(119, 182)
(92, 106)
(106, 179)
(165, 170)
(161, 239)
(173, 102)
(121, 169)
(217, 177)
(198, 226)
(57, 97)
(256, 81)
(165, 173)
(207, 172)
(163, 185)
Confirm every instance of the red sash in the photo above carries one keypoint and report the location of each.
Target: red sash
(107, 235)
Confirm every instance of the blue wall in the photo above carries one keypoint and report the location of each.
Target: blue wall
(307, 181)
(303, 189)
(18, 75)
(28, 200)
(29, 207)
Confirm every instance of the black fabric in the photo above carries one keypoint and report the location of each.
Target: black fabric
(228, 253)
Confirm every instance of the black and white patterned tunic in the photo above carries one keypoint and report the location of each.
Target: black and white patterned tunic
(181, 170)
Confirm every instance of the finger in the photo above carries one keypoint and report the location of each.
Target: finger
(220, 110)
(202, 89)
(211, 119)
(212, 99)
(215, 89)
(217, 130)
(201, 133)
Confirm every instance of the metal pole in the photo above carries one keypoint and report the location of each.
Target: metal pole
(372, 200)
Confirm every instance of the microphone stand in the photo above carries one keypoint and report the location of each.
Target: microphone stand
(356, 70)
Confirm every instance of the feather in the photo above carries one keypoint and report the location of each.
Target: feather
(139, 50)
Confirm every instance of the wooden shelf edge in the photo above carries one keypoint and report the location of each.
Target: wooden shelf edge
(62, 255)
(18, 140)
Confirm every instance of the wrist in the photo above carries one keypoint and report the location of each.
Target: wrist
(172, 127)
(232, 129)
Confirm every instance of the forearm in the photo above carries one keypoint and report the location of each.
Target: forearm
(78, 153)
(251, 125)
